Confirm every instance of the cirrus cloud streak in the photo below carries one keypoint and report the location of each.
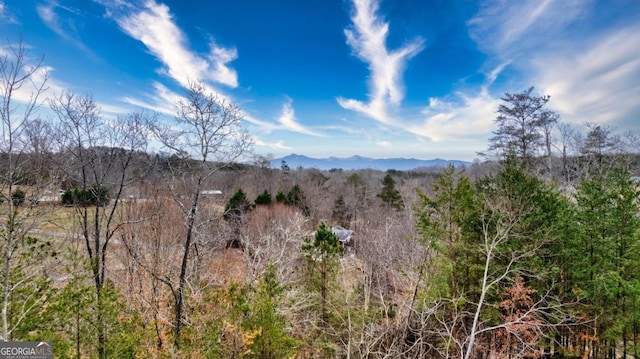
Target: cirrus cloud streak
(367, 38)
(155, 27)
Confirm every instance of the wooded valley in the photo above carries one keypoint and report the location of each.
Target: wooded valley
(111, 250)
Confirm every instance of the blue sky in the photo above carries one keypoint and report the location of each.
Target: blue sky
(338, 78)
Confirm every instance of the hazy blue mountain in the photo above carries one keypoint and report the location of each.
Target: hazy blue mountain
(359, 162)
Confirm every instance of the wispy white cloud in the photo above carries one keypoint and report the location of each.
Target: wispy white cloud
(52, 87)
(65, 28)
(113, 111)
(464, 117)
(49, 17)
(507, 32)
(278, 145)
(384, 144)
(162, 100)
(30, 88)
(219, 58)
(595, 80)
(261, 125)
(367, 38)
(155, 27)
(40, 83)
(289, 122)
(41, 86)
(506, 29)
(5, 15)
(590, 69)
(350, 129)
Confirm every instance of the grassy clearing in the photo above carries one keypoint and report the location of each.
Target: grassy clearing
(59, 219)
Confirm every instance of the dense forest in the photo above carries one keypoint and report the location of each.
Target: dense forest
(110, 250)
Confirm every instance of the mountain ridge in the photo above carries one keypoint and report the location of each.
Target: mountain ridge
(357, 162)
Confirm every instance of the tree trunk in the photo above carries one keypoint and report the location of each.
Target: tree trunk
(323, 290)
(8, 255)
(476, 317)
(6, 293)
(183, 267)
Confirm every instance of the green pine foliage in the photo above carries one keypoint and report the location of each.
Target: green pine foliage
(325, 245)
(608, 237)
(521, 123)
(340, 213)
(92, 196)
(445, 222)
(281, 197)
(70, 320)
(297, 198)
(263, 198)
(237, 206)
(272, 341)
(535, 209)
(28, 293)
(389, 195)
(321, 253)
(242, 321)
(511, 221)
(17, 197)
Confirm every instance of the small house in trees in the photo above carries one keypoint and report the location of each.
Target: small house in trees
(344, 235)
(213, 195)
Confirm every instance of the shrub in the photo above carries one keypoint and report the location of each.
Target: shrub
(17, 197)
(264, 198)
(237, 206)
(92, 196)
(281, 197)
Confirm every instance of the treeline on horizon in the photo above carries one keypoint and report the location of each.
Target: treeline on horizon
(531, 253)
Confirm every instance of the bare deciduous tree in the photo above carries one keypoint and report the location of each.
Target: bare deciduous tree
(21, 86)
(207, 136)
(99, 159)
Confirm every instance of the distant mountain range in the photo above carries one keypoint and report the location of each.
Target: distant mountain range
(358, 162)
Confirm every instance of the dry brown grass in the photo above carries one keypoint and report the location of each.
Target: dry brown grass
(58, 219)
